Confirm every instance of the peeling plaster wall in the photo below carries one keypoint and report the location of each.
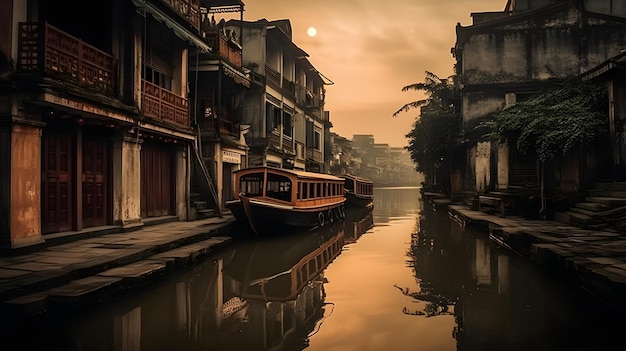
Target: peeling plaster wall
(503, 166)
(127, 181)
(25, 212)
(483, 158)
(182, 181)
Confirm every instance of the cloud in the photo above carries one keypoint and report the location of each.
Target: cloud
(372, 49)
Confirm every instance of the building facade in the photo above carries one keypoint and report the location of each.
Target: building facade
(96, 126)
(284, 107)
(506, 56)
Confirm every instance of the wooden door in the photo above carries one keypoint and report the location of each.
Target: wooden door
(157, 180)
(94, 181)
(57, 205)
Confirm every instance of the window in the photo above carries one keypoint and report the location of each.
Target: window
(278, 187)
(287, 129)
(272, 116)
(157, 77)
(251, 184)
(313, 135)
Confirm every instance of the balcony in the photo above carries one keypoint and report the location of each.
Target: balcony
(272, 75)
(65, 57)
(314, 155)
(163, 105)
(224, 47)
(187, 9)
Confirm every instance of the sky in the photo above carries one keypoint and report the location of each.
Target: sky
(371, 49)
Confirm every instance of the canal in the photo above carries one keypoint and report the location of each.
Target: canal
(401, 277)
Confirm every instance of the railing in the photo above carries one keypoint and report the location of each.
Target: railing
(224, 47)
(289, 87)
(272, 75)
(187, 9)
(163, 105)
(64, 57)
(313, 154)
(288, 144)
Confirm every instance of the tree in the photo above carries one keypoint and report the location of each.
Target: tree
(434, 139)
(567, 114)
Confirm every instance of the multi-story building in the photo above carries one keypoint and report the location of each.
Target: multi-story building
(219, 83)
(284, 107)
(96, 128)
(506, 56)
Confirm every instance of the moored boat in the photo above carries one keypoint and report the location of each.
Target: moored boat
(272, 200)
(359, 192)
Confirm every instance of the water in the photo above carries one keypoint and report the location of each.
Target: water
(402, 277)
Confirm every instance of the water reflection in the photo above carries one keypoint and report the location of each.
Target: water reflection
(256, 295)
(500, 301)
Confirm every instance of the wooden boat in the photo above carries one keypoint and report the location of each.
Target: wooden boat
(359, 192)
(272, 200)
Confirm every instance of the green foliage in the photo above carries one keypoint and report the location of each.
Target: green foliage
(434, 137)
(553, 122)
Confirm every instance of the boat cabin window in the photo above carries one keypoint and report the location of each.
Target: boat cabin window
(278, 187)
(349, 185)
(251, 184)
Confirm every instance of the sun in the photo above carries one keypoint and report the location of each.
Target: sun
(311, 31)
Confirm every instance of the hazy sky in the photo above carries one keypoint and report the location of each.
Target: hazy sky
(370, 50)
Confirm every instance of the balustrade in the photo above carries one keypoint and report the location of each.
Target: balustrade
(163, 105)
(64, 57)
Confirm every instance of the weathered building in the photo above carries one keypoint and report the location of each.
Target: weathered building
(284, 107)
(505, 56)
(613, 72)
(95, 128)
(219, 84)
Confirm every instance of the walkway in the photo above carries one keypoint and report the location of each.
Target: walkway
(102, 267)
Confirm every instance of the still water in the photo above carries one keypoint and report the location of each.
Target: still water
(400, 277)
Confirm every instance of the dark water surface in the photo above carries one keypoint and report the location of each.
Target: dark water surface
(402, 277)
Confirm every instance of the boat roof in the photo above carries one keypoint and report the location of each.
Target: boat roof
(297, 173)
(357, 178)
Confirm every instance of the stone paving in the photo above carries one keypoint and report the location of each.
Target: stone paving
(594, 259)
(105, 266)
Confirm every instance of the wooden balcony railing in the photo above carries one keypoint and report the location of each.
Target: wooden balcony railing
(163, 105)
(187, 9)
(224, 47)
(64, 57)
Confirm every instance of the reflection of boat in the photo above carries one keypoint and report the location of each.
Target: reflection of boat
(281, 279)
(274, 199)
(278, 269)
(359, 192)
(357, 223)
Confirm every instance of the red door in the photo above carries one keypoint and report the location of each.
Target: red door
(93, 181)
(157, 180)
(56, 182)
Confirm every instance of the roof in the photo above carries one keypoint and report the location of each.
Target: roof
(357, 178)
(297, 173)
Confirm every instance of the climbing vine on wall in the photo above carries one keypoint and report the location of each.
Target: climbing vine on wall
(552, 122)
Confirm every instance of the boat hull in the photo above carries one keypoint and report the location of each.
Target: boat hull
(271, 219)
(356, 200)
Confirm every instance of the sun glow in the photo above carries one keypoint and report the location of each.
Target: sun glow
(311, 31)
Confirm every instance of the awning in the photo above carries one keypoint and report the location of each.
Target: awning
(182, 33)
